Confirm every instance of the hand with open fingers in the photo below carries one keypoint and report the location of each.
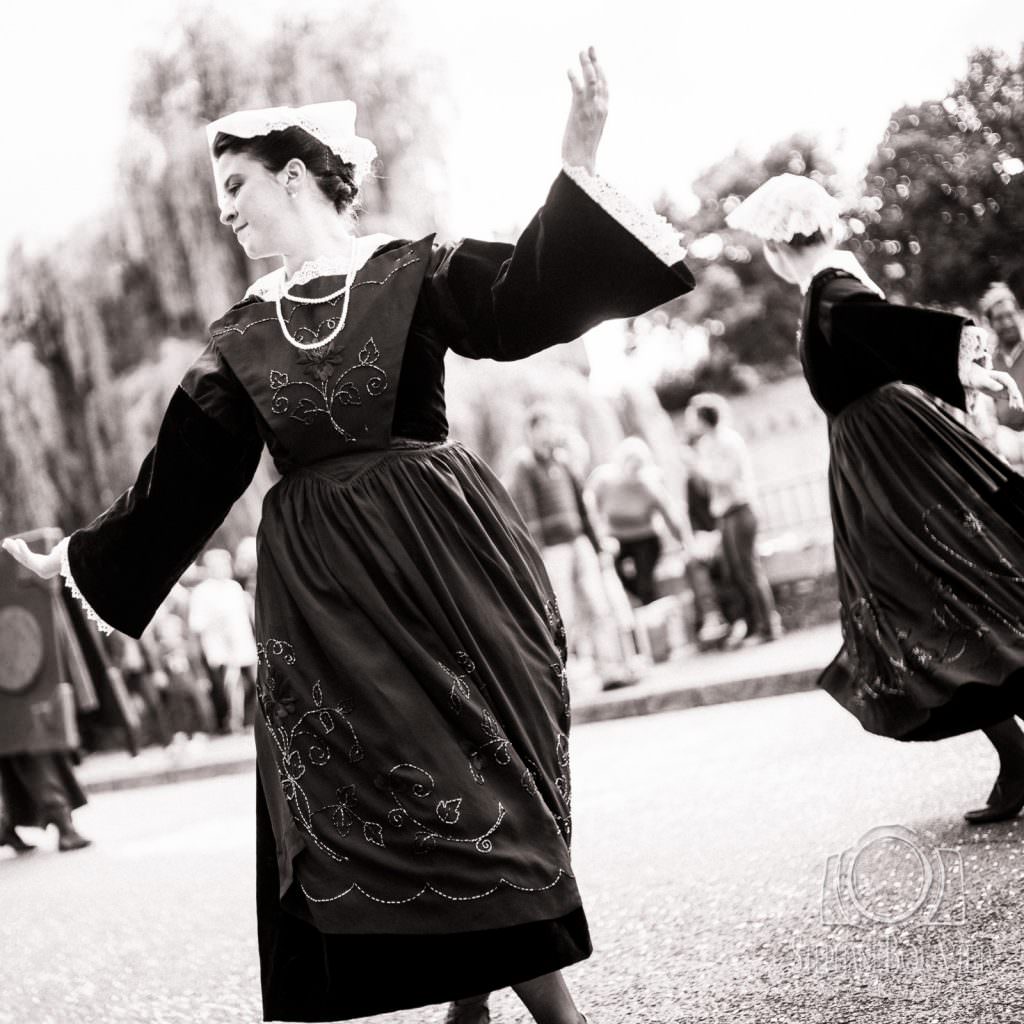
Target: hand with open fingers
(992, 382)
(587, 112)
(45, 566)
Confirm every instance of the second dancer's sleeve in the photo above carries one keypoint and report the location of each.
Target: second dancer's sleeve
(123, 564)
(580, 261)
(895, 343)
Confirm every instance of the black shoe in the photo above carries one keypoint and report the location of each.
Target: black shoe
(1005, 802)
(70, 837)
(473, 1010)
(9, 837)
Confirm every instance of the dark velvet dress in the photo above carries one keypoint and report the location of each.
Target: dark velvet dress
(414, 796)
(929, 524)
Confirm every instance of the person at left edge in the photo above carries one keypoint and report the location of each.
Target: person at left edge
(412, 746)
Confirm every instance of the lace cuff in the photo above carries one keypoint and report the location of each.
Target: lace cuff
(974, 348)
(640, 221)
(974, 351)
(69, 582)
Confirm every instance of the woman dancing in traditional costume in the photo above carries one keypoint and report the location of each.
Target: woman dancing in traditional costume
(413, 801)
(929, 524)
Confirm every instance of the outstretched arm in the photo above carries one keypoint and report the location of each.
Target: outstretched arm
(587, 256)
(123, 564)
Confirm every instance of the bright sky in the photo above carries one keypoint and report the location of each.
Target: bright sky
(689, 82)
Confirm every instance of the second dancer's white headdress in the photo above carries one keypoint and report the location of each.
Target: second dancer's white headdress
(333, 124)
(784, 206)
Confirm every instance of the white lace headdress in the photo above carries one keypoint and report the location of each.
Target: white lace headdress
(784, 206)
(333, 124)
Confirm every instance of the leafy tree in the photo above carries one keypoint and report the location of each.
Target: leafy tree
(749, 314)
(943, 202)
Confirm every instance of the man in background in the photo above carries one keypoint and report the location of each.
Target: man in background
(723, 460)
(549, 497)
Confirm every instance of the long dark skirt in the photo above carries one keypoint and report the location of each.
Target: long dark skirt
(310, 976)
(412, 743)
(36, 788)
(929, 540)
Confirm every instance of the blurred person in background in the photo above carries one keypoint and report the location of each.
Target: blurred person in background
(9, 834)
(37, 790)
(721, 457)
(183, 681)
(928, 523)
(717, 604)
(219, 613)
(550, 497)
(1001, 312)
(245, 568)
(413, 790)
(631, 504)
(142, 678)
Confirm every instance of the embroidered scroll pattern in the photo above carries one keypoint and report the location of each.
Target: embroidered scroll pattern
(330, 387)
(301, 737)
(886, 652)
(494, 749)
(301, 740)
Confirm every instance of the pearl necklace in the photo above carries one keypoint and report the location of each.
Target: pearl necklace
(302, 300)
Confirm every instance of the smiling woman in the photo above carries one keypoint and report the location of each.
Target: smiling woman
(414, 791)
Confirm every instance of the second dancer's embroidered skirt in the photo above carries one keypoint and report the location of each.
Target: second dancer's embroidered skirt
(414, 790)
(929, 540)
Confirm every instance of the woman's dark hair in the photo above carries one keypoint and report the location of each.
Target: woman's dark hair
(335, 178)
(799, 241)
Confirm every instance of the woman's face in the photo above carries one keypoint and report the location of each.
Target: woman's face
(255, 204)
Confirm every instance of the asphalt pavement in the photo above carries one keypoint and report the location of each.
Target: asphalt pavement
(720, 850)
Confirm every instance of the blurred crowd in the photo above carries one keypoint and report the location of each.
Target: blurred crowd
(639, 571)
(193, 672)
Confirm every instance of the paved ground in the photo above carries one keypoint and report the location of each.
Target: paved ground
(702, 839)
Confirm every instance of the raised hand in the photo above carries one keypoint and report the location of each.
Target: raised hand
(587, 113)
(45, 566)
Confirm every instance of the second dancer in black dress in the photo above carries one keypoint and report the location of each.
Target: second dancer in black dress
(929, 524)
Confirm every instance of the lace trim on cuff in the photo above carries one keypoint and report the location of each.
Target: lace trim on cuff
(642, 222)
(69, 582)
(974, 349)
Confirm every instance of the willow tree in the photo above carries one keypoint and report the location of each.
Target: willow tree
(83, 316)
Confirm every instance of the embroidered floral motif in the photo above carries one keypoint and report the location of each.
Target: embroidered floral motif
(554, 617)
(497, 747)
(884, 653)
(300, 735)
(970, 524)
(460, 692)
(407, 782)
(331, 388)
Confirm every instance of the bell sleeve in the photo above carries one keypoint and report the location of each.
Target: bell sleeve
(895, 343)
(587, 256)
(123, 564)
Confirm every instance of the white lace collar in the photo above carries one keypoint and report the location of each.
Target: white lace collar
(841, 259)
(270, 286)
